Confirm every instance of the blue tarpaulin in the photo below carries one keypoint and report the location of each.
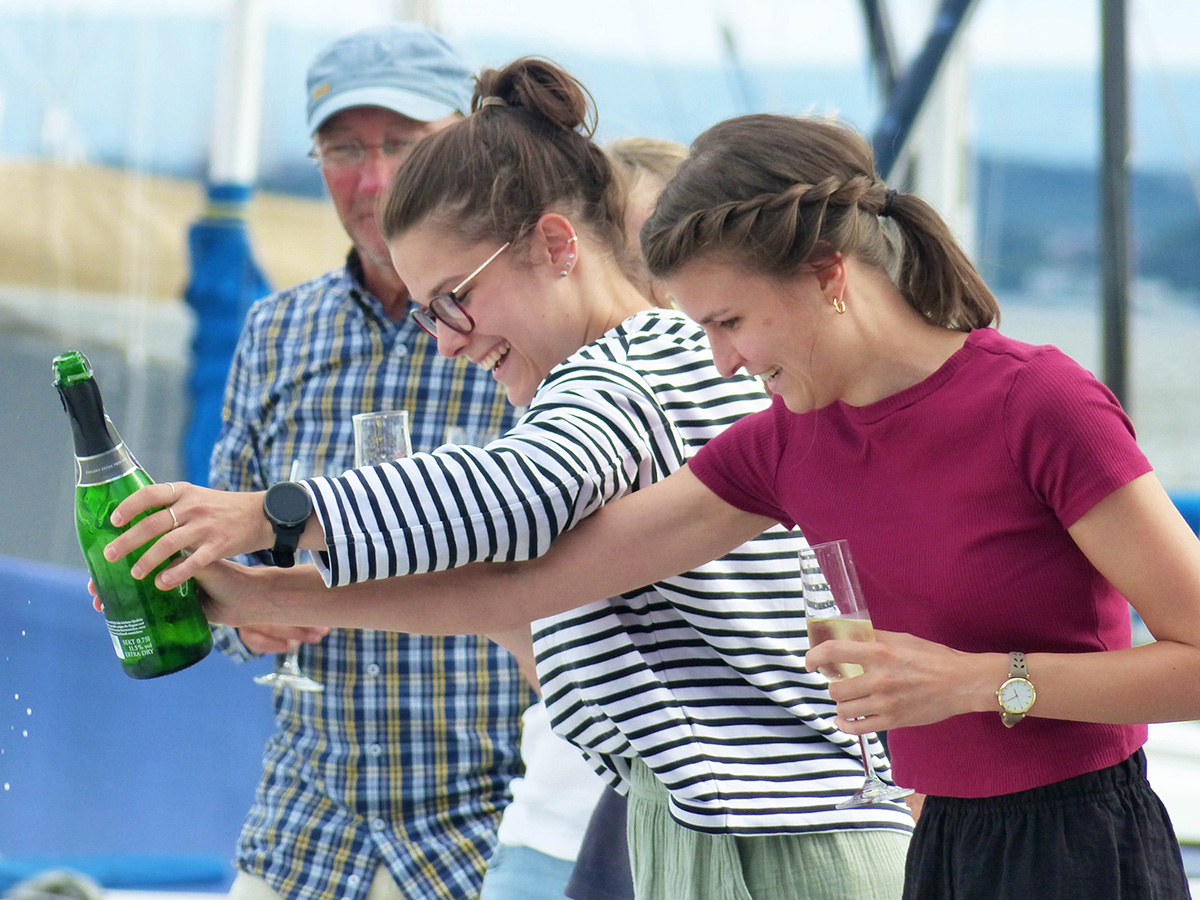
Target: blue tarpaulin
(114, 774)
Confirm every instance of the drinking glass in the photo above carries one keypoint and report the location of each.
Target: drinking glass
(836, 610)
(287, 671)
(380, 437)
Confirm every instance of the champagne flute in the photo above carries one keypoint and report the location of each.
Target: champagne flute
(287, 672)
(378, 437)
(836, 610)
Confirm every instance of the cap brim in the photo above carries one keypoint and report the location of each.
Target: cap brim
(414, 106)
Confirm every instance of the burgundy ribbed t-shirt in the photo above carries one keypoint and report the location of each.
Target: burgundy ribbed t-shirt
(955, 495)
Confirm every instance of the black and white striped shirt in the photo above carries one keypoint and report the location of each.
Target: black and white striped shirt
(701, 675)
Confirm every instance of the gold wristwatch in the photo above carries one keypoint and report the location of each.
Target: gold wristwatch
(1016, 695)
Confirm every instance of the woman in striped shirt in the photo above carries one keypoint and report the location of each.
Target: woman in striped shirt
(689, 693)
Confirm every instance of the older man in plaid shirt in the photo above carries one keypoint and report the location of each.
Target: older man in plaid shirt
(389, 783)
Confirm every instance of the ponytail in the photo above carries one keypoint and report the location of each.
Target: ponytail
(773, 193)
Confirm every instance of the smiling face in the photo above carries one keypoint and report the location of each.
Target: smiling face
(776, 330)
(524, 325)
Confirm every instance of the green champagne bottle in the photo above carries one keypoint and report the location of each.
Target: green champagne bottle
(154, 632)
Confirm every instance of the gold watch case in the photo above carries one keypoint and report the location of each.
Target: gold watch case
(1016, 696)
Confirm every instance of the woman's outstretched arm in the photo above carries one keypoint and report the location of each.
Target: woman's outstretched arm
(668, 528)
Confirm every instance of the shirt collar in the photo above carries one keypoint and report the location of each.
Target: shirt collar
(372, 305)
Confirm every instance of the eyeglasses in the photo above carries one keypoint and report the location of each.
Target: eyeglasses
(350, 154)
(446, 307)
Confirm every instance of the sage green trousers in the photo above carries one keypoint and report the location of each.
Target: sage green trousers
(671, 862)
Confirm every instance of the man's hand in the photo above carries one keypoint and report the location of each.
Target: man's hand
(275, 638)
(257, 638)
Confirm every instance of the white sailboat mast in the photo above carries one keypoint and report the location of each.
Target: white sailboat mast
(423, 11)
(237, 119)
(943, 152)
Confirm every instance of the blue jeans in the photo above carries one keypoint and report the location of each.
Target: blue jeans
(522, 873)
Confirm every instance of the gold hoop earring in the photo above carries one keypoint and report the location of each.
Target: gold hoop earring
(839, 305)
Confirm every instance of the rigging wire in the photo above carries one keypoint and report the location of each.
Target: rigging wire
(742, 87)
(135, 276)
(1191, 160)
(668, 92)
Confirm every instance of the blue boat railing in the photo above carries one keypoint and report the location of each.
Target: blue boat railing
(1188, 504)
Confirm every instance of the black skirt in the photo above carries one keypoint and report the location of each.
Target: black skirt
(1103, 835)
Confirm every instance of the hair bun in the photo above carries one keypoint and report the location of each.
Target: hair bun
(543, 88)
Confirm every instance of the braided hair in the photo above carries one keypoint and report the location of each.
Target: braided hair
(774, 193)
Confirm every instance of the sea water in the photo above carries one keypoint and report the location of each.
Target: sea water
(1163, 368)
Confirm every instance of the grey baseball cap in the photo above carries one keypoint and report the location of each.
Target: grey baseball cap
(402, 66)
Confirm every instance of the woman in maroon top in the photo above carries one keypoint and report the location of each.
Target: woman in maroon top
(1001, 514)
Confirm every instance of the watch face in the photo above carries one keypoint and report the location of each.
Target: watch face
(288, 504)
(1016, 695)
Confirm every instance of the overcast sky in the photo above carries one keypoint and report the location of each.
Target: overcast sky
(1018, 33)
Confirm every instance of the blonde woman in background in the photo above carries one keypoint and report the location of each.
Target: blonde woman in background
(544, 827)
(644, 165)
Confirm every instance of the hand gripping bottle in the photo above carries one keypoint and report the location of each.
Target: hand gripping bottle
(154, 632)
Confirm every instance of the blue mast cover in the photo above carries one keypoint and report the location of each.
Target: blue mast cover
(225, 281)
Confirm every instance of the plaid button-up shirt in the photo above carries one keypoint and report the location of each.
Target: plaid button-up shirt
(404, 760)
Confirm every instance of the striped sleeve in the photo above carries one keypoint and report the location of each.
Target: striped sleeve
(586, 438)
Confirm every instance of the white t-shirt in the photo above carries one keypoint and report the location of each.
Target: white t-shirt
(552, 804)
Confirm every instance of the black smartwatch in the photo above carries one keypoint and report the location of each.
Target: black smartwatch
(287, 507)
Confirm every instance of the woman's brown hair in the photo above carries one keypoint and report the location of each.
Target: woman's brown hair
(772, 193)
(525, 150)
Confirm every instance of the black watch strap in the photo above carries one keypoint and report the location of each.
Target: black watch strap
(283, 554)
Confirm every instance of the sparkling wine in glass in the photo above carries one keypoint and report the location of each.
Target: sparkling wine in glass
(287, 672)
(836, 610)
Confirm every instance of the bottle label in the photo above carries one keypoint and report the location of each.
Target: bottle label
(104, 467)
(130, 638)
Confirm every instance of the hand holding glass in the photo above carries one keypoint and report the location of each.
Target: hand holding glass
(836, 610)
